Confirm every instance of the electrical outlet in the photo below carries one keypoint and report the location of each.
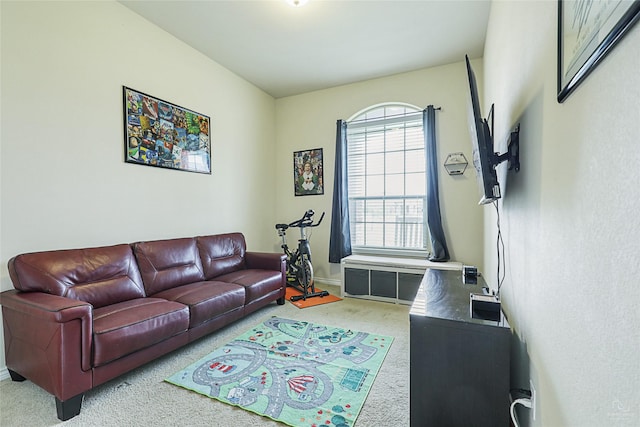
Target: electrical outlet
(533, 400)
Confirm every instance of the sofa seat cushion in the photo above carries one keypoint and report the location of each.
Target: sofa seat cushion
(257, 283)
(207, 300)
(124, 328)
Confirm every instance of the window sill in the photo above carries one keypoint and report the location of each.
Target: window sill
(399, 262)
(404, 253)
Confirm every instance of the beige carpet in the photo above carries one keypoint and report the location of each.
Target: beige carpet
(142, 397)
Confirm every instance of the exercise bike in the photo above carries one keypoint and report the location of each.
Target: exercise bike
(299, 268)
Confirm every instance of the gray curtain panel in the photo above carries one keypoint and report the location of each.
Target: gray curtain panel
(340, 238)
(439, 249)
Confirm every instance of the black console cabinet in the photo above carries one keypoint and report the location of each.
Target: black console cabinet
(459, 364)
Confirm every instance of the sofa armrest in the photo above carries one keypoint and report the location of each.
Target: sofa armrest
(266, 261)
(48, 339)
(48, 307)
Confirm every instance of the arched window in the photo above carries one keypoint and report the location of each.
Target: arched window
(387, 179)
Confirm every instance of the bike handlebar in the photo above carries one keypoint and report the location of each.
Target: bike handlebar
(307, 220)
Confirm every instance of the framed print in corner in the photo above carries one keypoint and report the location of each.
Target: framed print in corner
(308, 172)
(159, 133)
(587, 31)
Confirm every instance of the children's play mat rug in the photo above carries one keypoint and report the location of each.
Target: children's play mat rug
(295, 372)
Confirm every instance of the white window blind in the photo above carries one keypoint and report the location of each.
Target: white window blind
(387, 179)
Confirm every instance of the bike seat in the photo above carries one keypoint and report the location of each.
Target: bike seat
(282, 226)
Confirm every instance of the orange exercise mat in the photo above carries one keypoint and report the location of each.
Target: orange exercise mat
(309, 302)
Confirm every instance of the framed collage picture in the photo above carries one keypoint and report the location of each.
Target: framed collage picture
(308, 172)
(159, 133)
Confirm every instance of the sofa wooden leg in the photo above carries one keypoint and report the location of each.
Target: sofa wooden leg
(280, 301)
(69, 408)
(16, 376)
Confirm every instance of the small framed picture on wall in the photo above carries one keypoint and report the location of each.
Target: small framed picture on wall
(308, 172)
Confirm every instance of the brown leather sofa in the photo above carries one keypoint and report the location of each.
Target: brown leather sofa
(78, 318)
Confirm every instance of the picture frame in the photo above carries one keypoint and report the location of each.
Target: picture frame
(162, 134)
(308, 172)
(587, 31)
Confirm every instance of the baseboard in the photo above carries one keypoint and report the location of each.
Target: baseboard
(4, 373)
(324, 281)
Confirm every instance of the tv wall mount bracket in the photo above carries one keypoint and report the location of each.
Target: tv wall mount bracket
(512, 155)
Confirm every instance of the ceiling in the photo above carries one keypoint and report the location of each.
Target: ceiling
(286, 50)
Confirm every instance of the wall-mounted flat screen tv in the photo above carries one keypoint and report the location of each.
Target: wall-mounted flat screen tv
(482, 144)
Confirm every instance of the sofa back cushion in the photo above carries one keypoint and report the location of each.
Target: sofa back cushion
(222, 253)
(169, 263)
(100, 276)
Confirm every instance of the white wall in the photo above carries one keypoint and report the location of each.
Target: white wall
(569, 221)
(571, 238)
(64, 180)
(309, 121)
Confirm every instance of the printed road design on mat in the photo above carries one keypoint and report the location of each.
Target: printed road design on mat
(292, 371)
